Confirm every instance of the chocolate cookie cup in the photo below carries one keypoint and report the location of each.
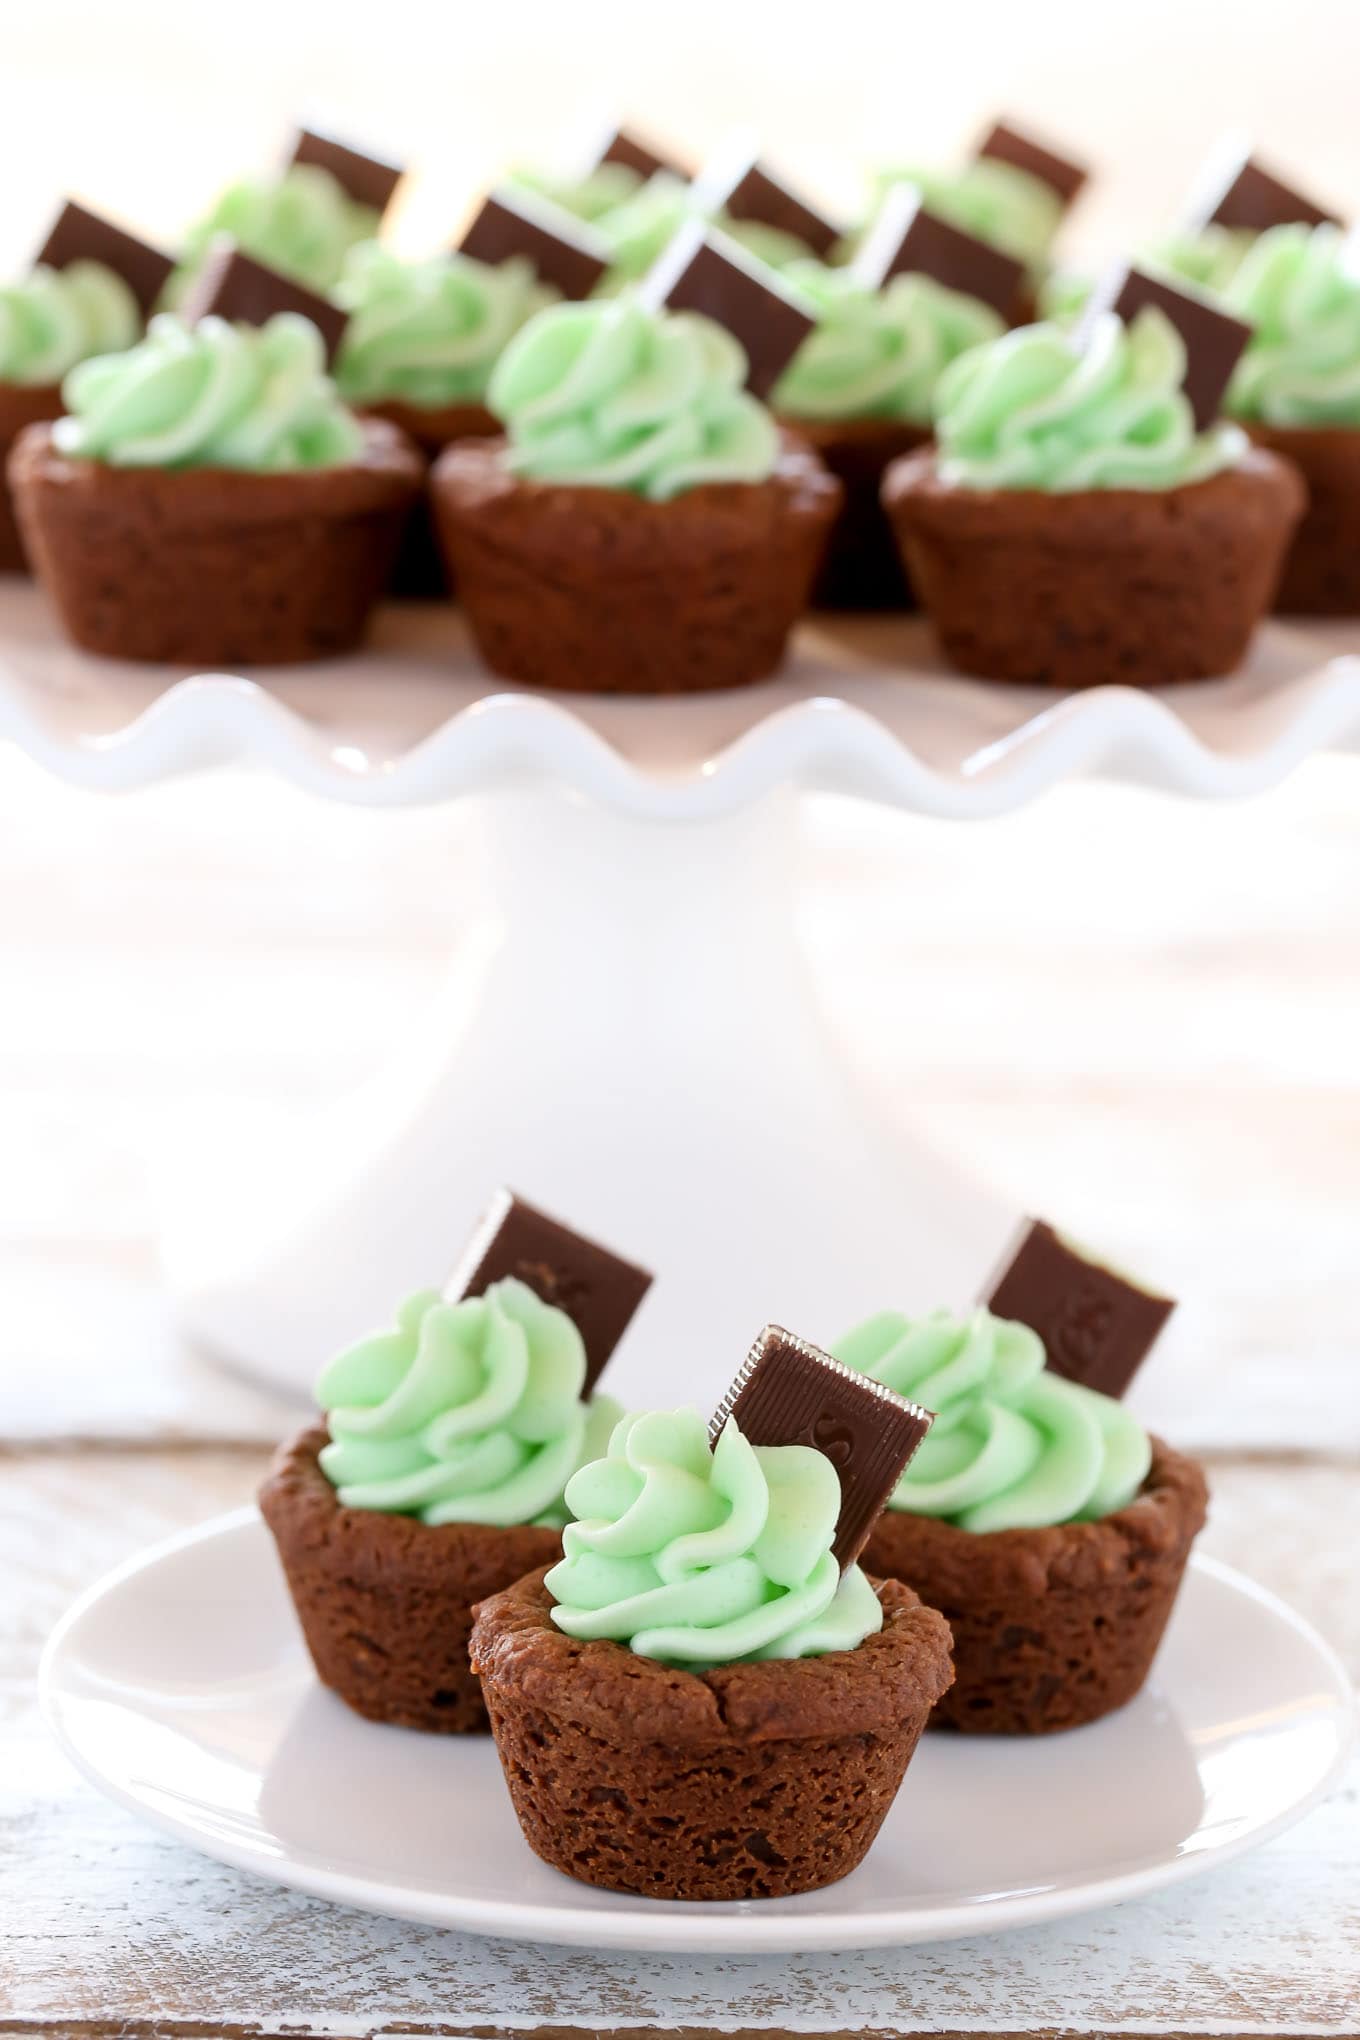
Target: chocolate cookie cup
(386, 1602)
(419, 573)
(1322, 569)
(862, 567)
(1051, 1627)
(436, 1474)
(1091, 587)
(599, 590)
(747, 1781)
(20, 407)
(213, 566)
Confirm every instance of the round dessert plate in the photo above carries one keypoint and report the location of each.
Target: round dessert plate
(180, 1687)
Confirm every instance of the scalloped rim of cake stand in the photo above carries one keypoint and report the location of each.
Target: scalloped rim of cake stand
(903, 735)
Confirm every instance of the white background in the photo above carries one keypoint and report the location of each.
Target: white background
(147, 105)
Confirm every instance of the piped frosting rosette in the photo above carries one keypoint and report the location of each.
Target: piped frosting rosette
(466, 1412)
(58, 317)
(704, 1556)
(609, 394)
(301, 222)
(211, 395)
(1036, 409)
(1299, 288)
(429, 333)
(1013, 1446)
(878, 354)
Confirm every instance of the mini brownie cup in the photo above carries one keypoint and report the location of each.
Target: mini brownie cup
(20, 408)
(1038, 1517)
(1073, 528)
(419, 347)
(418, 572)
(385, 1601)
(49, 322)
(209, 501)
(697, 1703)
(643, 528)
(436, 1480)
(1297, 392)
(860, 391)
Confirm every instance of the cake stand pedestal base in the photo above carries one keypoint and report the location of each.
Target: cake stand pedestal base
(643, 1057)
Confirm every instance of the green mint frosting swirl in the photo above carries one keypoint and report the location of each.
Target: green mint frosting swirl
(1210, 257)
(467, 1412)
(774, 246)
(601, 190)
(642, 225)
(994, 200)
(878, 354)
(1033, 410)
(429, 333)
(1301, 293)
(57, 317)
(302, 223)
(705, 1557)
(637, 218)
(210, 395)
(1012, 1447)
(610, 395)
(1063, 295)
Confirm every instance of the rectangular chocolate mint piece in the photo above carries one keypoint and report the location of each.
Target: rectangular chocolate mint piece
(1006, 144)
(565, 252)
(1097, 1326)
(791, 1393)
(907, 237)
(1247, 195)
(739, 186)
(366, 179)
(81, 236)
(704, 271)
(624, 147)
(599, 1291)
(1214, 340)
(232, 285)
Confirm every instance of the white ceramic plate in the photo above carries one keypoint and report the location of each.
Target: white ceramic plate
(180, 1686)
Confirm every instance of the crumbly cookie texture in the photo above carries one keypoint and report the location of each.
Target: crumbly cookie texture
(1051, 1627)
(747, 1781)
(385, 1601)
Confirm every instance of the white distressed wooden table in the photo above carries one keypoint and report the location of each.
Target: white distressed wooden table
(1117, 1004)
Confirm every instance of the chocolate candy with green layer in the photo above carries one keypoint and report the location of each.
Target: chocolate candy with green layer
(1214, 339)
(598, 1290)
(907, 237)
(1097, 1326)
(624, 147)
(738, 184)
(233, 285)
(791, 1393)
(1242, 193)
(366, 179)
(707, 272)
(565, 252)
(1007, 144)
(81, 236)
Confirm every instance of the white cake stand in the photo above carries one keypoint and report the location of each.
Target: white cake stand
(642, 1051)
